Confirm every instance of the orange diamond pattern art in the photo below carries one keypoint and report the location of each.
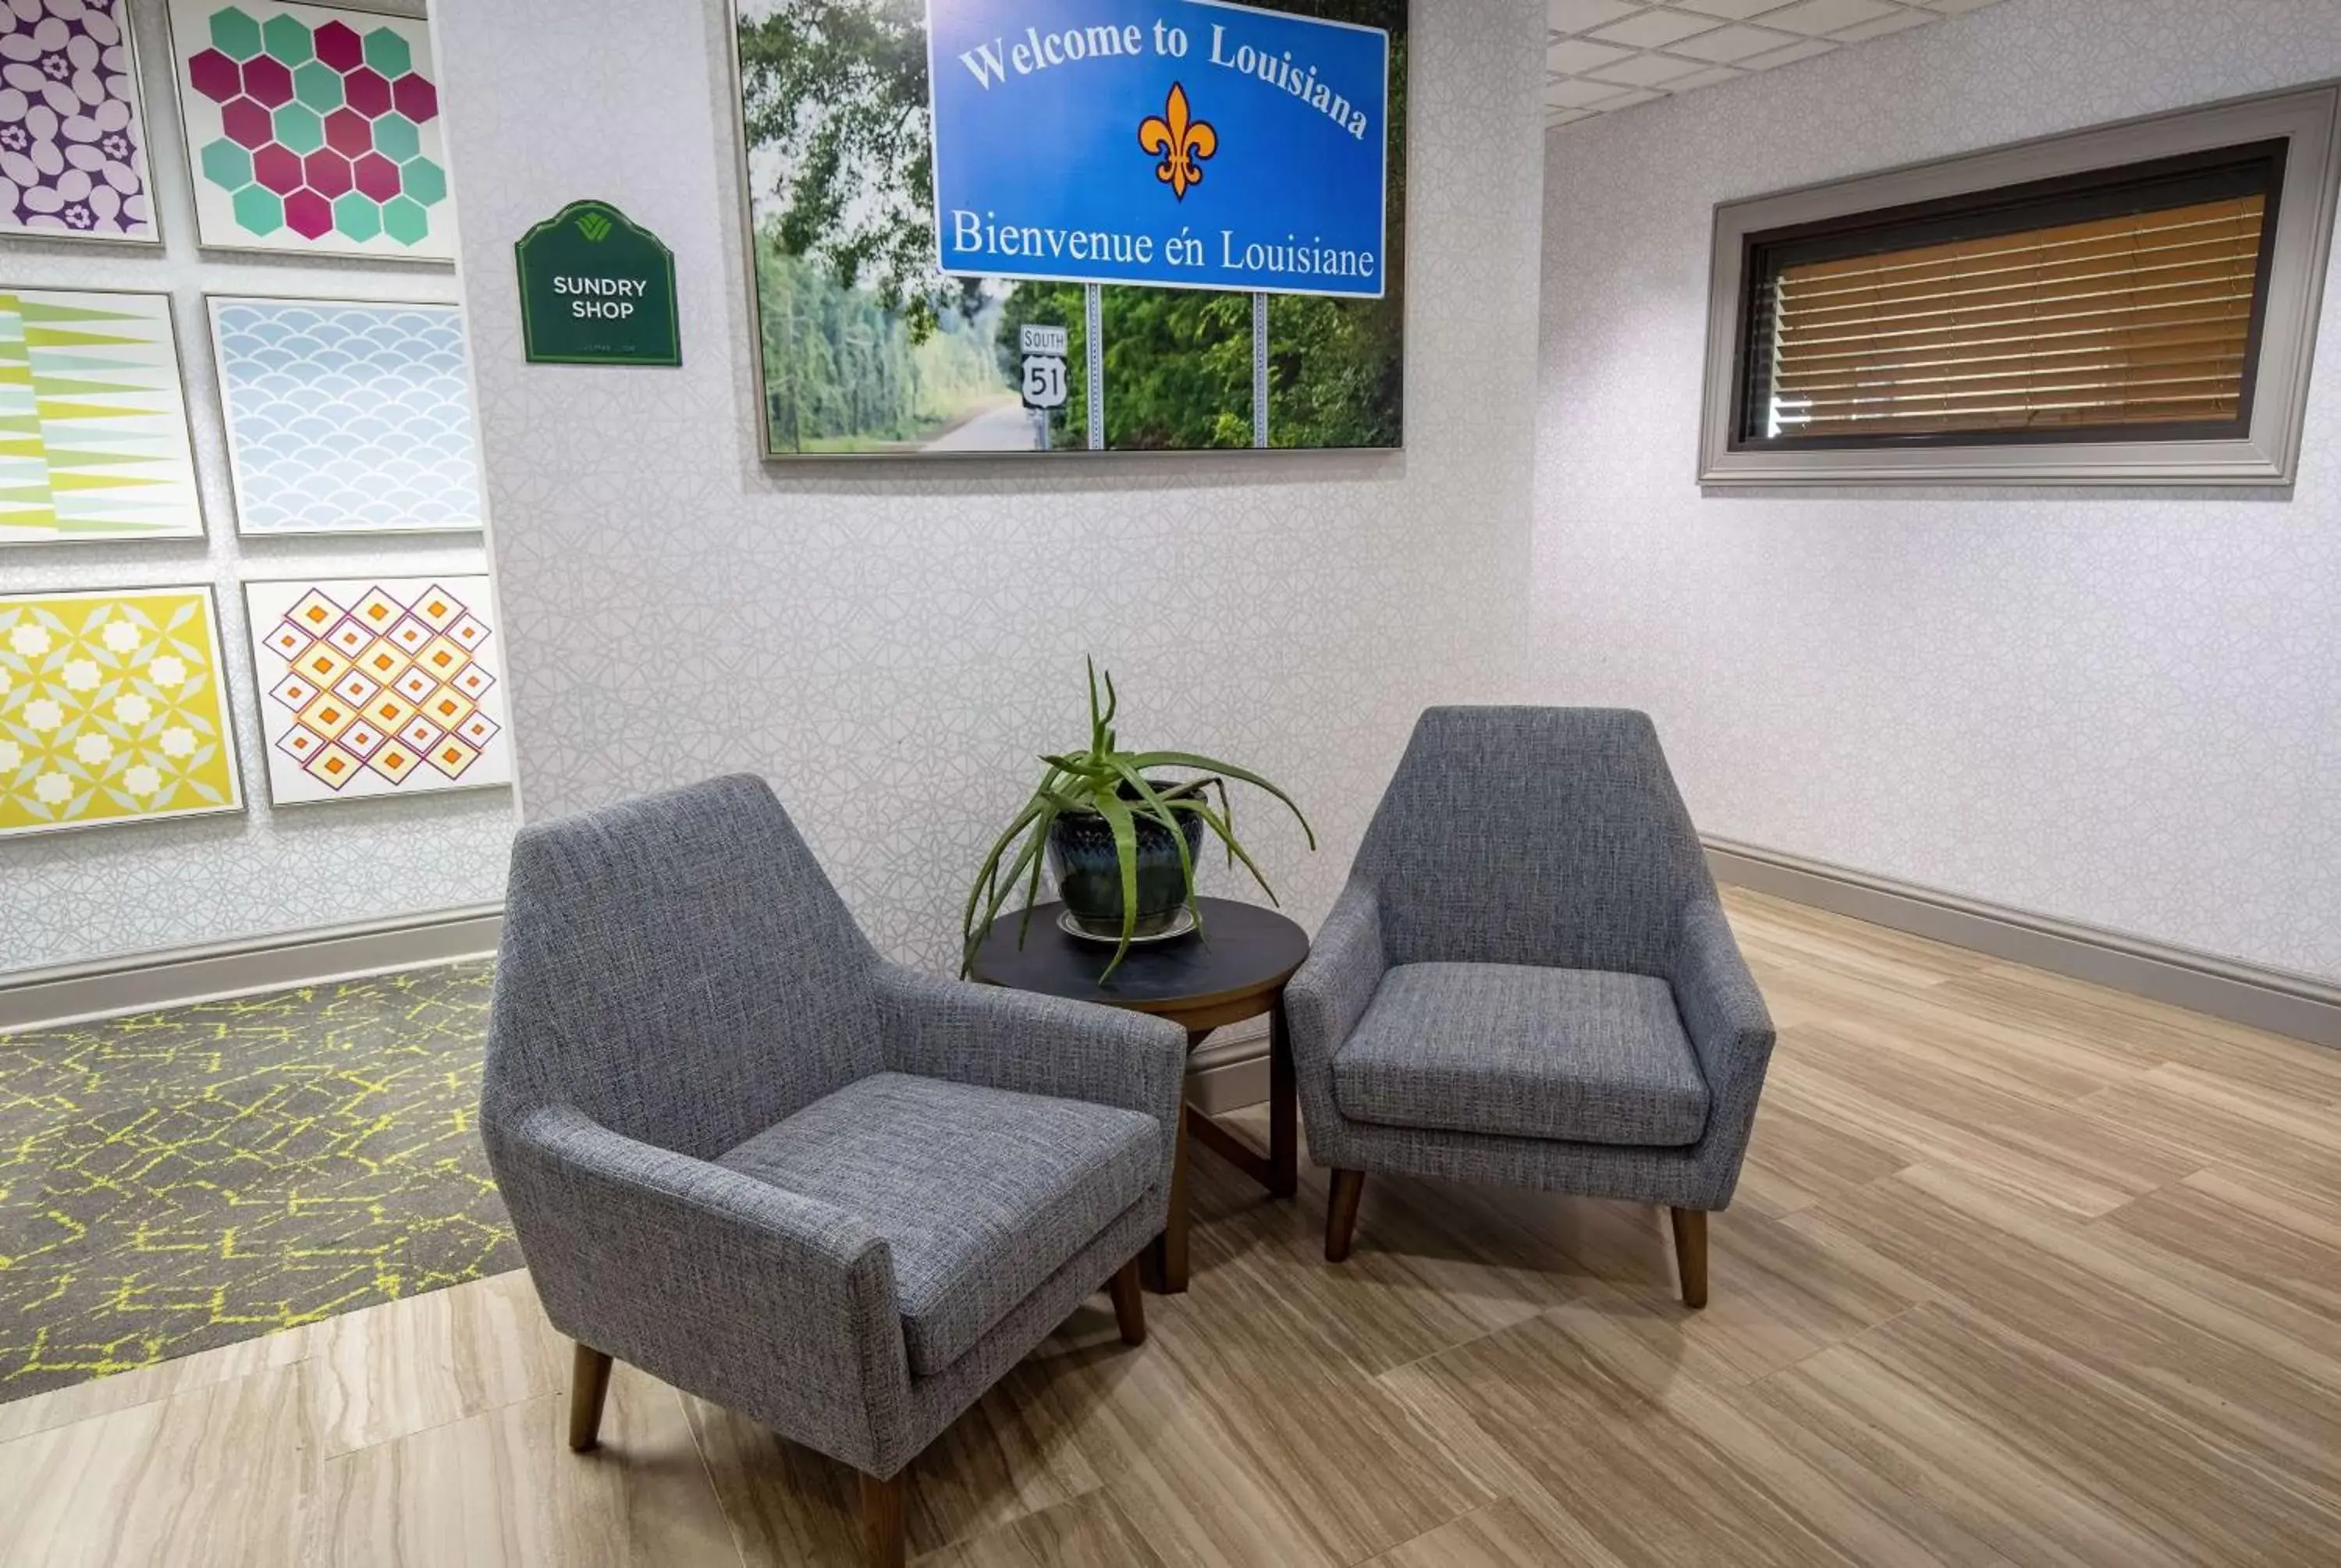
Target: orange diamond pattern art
(378, 686)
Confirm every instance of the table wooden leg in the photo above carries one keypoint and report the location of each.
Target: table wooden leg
(1283, 1110)
(1166, 1260)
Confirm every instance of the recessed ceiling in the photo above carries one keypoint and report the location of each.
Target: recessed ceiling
(1603, 56)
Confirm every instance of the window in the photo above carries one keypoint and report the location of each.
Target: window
(2054, 312)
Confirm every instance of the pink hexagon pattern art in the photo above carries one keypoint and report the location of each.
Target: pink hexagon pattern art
(73, 137)
(308, 129)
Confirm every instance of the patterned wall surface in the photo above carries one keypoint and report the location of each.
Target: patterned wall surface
(73, 898)
(890, 648)
(72, 133)
(2122, 708)
(347, 417)
(93, 421)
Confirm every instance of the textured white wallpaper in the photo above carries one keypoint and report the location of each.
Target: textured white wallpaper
(101, 892)
(892, 645)
(2118, 707)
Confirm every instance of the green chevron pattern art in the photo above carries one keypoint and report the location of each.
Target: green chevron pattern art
(92, 421)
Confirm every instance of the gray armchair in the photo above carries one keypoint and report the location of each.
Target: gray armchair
(748, 1156)
(1528, 980)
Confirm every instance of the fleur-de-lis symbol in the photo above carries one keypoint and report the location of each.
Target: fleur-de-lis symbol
(1181, 143)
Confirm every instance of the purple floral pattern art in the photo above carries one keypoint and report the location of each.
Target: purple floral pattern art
(72, 153)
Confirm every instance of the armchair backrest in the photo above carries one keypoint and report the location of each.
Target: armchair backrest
(678, 968)
(1543, 836)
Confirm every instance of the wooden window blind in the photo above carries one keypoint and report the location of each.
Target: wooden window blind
(2128, 302)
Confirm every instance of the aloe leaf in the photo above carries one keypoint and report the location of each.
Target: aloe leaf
(1158, 807)
(1117, 816)
(983, 877)
(1211, 765)
(1218, 825)
(1033, 886)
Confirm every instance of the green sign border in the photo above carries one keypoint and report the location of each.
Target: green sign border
(527, 315)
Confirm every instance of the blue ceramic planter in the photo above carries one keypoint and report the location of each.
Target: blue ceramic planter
(1089, 873)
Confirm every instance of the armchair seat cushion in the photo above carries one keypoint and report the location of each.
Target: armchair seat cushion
(1582, 1055)
(981, 1193)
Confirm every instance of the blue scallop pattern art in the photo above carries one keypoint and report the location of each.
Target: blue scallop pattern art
(346, 418)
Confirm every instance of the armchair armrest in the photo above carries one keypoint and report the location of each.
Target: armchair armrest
(1331, 990)
(1724, 1014)
(759, 1298)
(1035, 1045)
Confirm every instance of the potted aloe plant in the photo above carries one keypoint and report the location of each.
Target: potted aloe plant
(1121, 842)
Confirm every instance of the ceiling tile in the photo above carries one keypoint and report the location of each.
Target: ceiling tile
(1802, 49)
(1628, 100)
(1729, 10)
(1727, 44)
(1653, 29)
(1584, 15)
(1647, 70)
(1611, 54)
(1815, 18)
(1575, 56)
(1879, 28)
(1583, 93)
(1709, 77)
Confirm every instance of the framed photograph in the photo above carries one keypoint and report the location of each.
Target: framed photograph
(113, 708)
(72, 125)
(96, 416)
(312, 130)
(347, 416)
(1050, 226)
(378, 686)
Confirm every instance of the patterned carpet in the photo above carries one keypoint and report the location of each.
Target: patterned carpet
(174, 1181)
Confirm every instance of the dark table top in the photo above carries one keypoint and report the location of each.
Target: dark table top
(1242, 950)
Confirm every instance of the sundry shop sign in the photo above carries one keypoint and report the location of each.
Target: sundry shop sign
(1187, 144)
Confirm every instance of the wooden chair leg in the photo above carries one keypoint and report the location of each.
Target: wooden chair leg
(1341, 1214)
(1690, 1252)
(589, 1383)
(1129, 1302)
(883, 1534)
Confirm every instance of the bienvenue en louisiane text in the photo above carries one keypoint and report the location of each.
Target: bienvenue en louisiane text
(976, 234)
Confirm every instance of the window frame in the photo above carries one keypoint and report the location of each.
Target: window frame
(2275, 391)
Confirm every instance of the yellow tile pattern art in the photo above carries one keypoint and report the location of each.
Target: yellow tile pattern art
(112, 709)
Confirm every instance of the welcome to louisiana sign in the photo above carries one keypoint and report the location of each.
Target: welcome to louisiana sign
(1184, 143)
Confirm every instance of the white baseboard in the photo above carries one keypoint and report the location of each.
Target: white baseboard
(1230, 1070)
(2277, 1001)
(76, 993)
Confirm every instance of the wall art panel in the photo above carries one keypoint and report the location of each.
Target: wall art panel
(72, 133)
(378, 686)
(93, 421)
(347, 417)
(113, 708)
(1054, 226)
(310, 129)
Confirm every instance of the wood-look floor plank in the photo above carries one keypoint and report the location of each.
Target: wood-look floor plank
(2044, 1151)
(1087, 1532)
(103, 1395)
(501, 1489)
(422, 1362)
(220, 1472)
(1585, 1423)
(1502, 1534)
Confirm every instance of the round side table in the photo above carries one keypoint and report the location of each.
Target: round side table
(1235, 969)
